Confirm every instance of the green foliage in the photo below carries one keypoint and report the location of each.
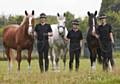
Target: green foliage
(69, 18)
(3, 20)
(52, 19)
(114, 18)
(107, 4)
(14, 19)
(84, 24)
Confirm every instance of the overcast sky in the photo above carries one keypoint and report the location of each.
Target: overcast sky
(78, 7)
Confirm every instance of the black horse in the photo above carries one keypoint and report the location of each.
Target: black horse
(92, 41)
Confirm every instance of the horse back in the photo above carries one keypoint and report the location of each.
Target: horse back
(9, 34)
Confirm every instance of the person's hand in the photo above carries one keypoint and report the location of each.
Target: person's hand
(97, 36)
(113, 44)
(35, 34)
(45, 34)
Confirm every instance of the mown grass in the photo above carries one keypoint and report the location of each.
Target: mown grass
(83, 76)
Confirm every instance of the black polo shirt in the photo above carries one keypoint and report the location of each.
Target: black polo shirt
(75, 37)
(104, 32)
(41, 30)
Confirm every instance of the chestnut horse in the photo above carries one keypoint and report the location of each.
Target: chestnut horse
(19, 37)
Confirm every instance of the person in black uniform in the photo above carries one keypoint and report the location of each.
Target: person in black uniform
(105, 35)
(43, 30)
(75, 37)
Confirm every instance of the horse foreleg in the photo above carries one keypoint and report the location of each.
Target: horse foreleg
(18, 58)
(94, 62)
(29, 59)
(64, 57)
(57, 52)
(93, 59)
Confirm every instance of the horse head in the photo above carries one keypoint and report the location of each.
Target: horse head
(61, 24)
(30, 22)
(92, 21)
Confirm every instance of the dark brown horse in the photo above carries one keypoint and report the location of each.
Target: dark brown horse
(92, 41)
(19, 37)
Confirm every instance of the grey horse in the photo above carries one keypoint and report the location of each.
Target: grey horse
(58, 46)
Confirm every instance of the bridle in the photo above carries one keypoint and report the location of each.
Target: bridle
(61, 33)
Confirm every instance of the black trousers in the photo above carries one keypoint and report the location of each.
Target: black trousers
(106, 53)
(107, 56)
(43, 48)
(74, 53)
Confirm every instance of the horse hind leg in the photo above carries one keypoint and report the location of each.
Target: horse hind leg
(8, 53)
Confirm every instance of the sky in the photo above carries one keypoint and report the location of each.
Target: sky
(51, 7)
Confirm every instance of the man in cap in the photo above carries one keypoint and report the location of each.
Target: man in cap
(43, 30)
(106, 39)
(75, 37)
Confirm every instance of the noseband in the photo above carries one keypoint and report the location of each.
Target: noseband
(61, 34)
(61, 26)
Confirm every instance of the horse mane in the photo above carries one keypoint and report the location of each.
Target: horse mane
(24, 21)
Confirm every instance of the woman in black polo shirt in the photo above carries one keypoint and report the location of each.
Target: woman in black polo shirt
(75, 37)
(106, 39)
(43, 30)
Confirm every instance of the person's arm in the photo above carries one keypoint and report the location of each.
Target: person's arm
(35, 31)
(111, 34)
(50, 33)
(67, 38)
(111, 37)
(81, 39)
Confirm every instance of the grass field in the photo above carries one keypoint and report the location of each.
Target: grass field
(83, 76)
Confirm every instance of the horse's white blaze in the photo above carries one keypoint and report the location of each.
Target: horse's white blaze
(30, 19)
(93, 31)
(30, 26)
(30, 30)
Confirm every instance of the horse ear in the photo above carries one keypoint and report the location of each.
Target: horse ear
(58, 14)
(64, 14)
(95, 13)
(26, 13)
(88, 13)
(33, 12)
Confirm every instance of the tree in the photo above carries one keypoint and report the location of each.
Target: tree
(69, 18)
(3, 20)
(83, 24)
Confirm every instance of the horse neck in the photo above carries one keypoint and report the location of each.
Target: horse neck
(24, 26)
